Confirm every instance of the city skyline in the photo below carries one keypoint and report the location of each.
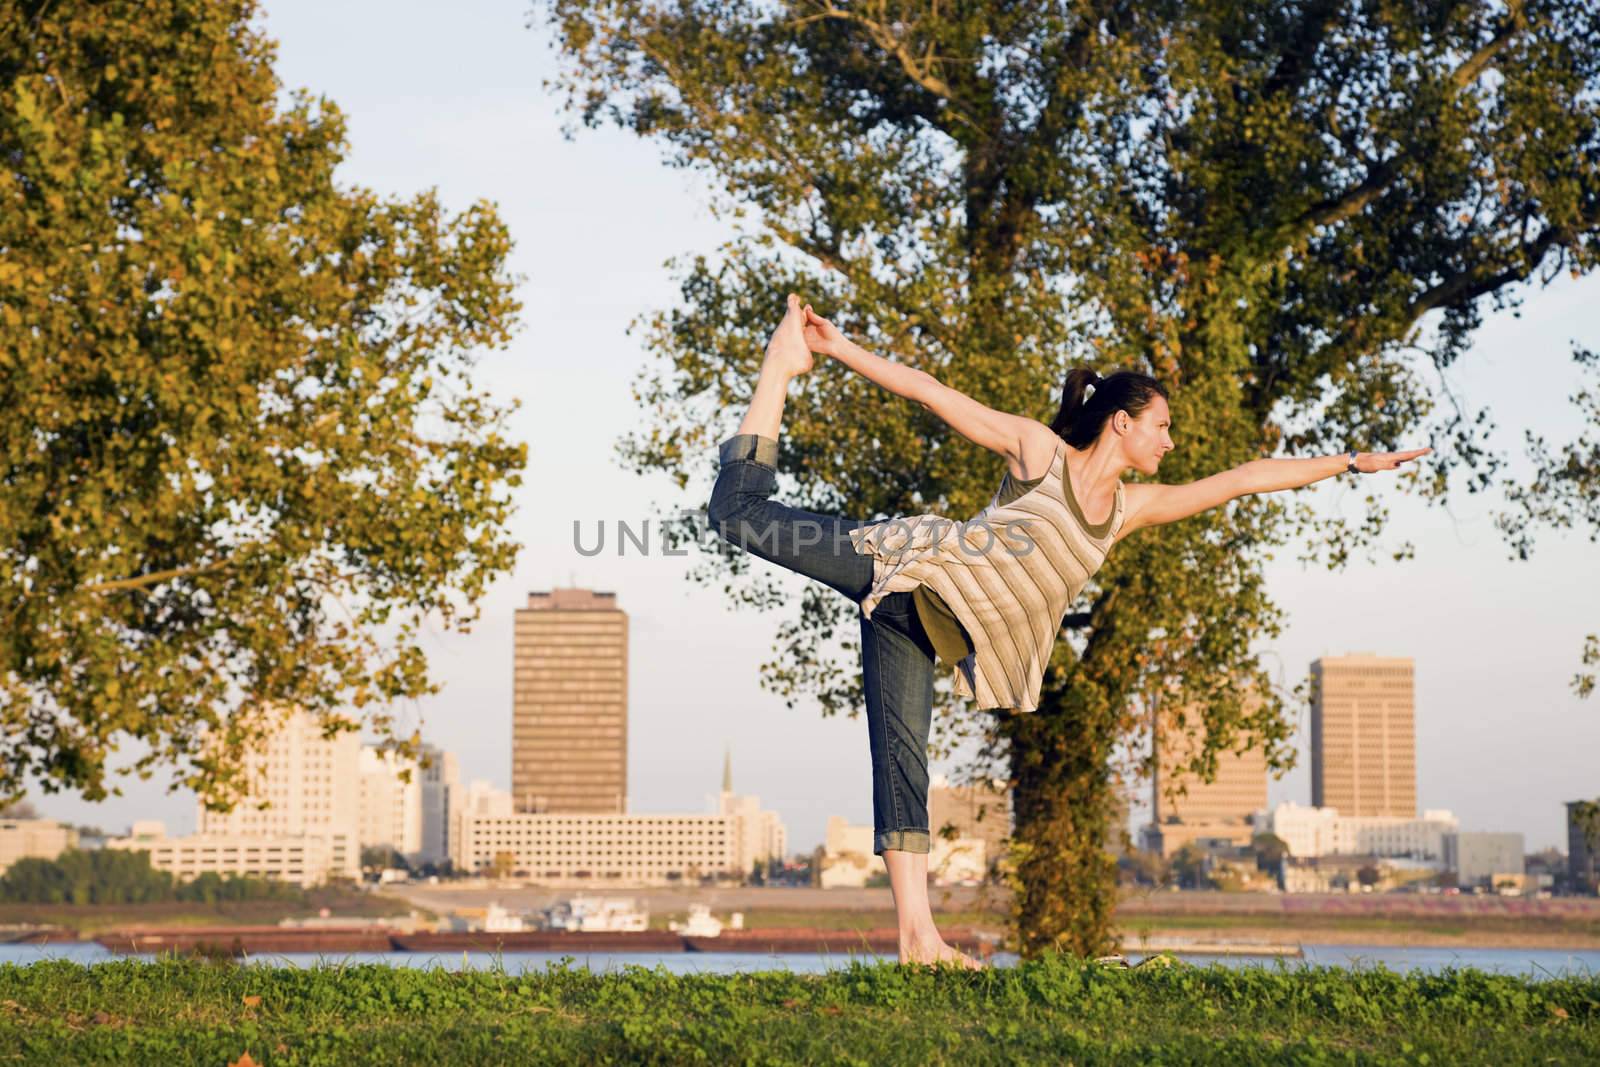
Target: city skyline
(1495, 641)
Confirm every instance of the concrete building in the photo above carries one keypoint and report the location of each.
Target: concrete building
(301, 784)
(1484, 858)
(1583, 848)
(569, 730)
(847, 859)
(1312, 832)
(1186, 809)
(976, 812)
(391, 814)
(305, 860)
(620, 850)
(848, 862)
(441, 790)
(759, 836)
(33, 839)
(1363, 735)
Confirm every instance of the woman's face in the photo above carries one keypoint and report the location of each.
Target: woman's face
(1148, 436)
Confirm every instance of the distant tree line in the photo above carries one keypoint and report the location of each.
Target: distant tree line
(112, 876)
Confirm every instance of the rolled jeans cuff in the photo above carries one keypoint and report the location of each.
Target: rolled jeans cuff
(749, 446)
(902, 841)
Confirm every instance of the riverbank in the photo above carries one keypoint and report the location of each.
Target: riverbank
(1150, 918)
(1053, 1010)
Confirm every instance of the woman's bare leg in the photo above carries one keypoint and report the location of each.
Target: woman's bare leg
(919, 937)
(788, 356)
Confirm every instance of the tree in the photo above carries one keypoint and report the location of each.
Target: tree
(1294, 214)
(1270, 849)
(242, 454)
(1368, 875)
(502, 865)
(19, 809)
(1190, 866)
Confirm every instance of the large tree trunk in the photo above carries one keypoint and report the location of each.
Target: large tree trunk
(1065, 887)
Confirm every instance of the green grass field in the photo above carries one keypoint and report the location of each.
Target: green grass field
(1054, 1010)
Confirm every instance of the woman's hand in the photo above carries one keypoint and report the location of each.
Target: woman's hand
(823, 336)
(1372, 462)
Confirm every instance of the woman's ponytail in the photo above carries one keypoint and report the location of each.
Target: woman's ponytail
(1088, 401)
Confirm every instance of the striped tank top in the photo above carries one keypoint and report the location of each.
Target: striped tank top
(1009, 574)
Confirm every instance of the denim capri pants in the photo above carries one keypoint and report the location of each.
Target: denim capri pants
(897, 657)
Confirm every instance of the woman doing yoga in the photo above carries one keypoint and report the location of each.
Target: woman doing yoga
(988, 596)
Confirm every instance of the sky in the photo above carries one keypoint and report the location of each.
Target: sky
(451, 97)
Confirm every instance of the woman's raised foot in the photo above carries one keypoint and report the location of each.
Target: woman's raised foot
(787, 351)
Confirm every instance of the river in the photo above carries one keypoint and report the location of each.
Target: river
(1530, 962)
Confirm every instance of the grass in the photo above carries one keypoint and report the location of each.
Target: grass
(1054, 1010)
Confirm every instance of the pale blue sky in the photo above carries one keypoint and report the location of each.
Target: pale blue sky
(450, 97)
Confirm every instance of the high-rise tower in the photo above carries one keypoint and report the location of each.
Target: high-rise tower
(1363, 735)
(569, 718)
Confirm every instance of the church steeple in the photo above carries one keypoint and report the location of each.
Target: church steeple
(727, 769)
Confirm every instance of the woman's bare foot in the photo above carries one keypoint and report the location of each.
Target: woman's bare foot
(788, 351)
(932, 949)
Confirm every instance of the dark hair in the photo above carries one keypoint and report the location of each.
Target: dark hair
(1080, 421)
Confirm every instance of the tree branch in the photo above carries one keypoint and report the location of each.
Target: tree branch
(1472, 283)
(921, 73)
(1352, 202)
(142, 581)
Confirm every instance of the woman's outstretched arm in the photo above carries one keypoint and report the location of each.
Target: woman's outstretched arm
(1150, 504)
(998, 431)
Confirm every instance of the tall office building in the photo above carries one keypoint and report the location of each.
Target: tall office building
(1363, 735)
(569, 720)
(1218, 811)
(1237, 792)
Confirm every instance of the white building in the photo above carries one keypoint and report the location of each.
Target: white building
(391, 803)
(631, 850)
(441, 791)
(847, 860)
(759, 836)
(33, 838)
(1485, 858)
(305, 860)
(301, 784)
(1309, 831)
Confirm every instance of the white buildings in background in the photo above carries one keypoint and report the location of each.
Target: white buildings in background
(313, 804)
(1311, 832)
(301, 785)
(33, 838)
(758, 836)
(390, 806)
(613, 849)
(1485, 859)
(304, 860)
(618, 850)
(847, 859)
(441, 790)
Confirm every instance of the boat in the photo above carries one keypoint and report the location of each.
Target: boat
(498, 920)
(596, 915)
(700, 923)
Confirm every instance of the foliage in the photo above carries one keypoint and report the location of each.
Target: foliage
(1052, 1010)
(1294, 214)
(1564, 492)
(115, 876)
(1270, 849)
(243, 456)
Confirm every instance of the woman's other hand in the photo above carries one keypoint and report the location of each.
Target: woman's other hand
(823, 336)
